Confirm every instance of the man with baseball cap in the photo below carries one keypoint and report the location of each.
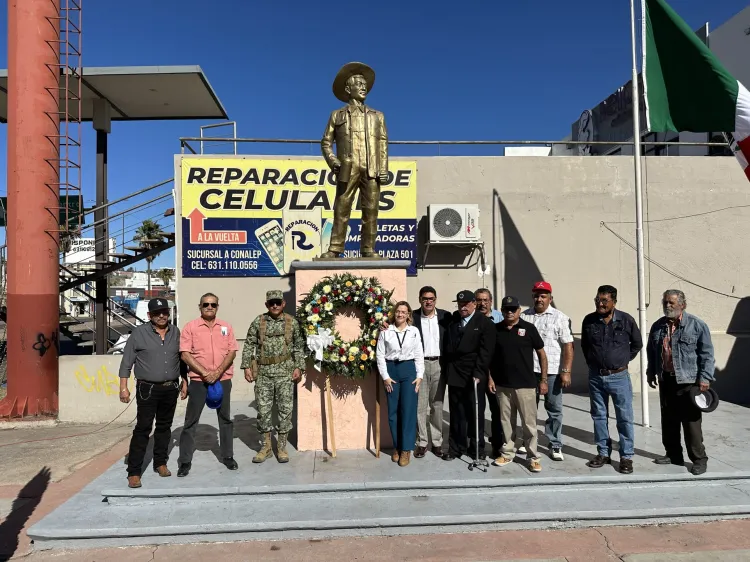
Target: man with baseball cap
(513, 372)
(554, 328)
(467, 350)
(154, 350)
(273, 357)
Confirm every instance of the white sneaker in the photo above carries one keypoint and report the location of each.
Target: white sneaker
(521, 450)
(556, 454)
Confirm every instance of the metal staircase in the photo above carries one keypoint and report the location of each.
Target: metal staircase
(81, 281)
(77, 333)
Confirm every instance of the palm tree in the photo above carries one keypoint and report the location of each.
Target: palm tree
(147, 237)
(165, 275)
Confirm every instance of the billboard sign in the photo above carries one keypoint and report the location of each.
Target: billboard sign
(251, 217)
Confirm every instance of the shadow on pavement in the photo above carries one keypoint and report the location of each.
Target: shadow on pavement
(23, 507)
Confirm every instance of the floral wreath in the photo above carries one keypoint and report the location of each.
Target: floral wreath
(317, 312)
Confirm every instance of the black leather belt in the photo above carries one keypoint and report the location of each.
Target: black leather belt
(435, 358)
(162, 383)
(607, 372)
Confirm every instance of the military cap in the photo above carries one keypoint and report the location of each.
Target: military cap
(275, 294)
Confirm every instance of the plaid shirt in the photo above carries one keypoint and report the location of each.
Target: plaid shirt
(554, 327)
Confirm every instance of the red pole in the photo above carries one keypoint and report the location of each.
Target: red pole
(33, 199)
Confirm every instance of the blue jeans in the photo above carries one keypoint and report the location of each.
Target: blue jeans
(619, 387)
(553, 404)
(402, 405)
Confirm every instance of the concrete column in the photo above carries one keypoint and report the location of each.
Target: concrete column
(102, 124)
(33, 201)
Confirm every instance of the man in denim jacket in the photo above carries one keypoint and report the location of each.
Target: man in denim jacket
(680, 355)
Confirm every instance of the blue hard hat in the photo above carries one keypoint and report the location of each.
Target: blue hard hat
(215, 395)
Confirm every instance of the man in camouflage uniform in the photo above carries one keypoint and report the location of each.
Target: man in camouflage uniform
(274, 357)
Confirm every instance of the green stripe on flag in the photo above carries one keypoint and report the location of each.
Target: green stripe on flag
(687, 88)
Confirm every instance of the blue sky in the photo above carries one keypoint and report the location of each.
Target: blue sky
(445, 70)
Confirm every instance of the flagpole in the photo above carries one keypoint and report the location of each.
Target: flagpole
(639, 219)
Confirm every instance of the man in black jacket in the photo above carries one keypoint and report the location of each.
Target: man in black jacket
(610, 340)
(467, 351)
(431, 323)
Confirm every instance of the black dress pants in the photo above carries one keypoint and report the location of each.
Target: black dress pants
(463, 421)
(154, 402)
(496, 437)
(677, 411)
(197, 391)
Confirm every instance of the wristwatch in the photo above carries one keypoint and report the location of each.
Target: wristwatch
(564, 370)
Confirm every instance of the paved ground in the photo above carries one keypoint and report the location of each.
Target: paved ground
(74, 463)
(36, 478)
(708, 542)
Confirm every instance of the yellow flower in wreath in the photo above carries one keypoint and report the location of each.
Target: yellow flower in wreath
(363, 357)
(348, 283)
(373, 342)
(361, 367)
(351, 358)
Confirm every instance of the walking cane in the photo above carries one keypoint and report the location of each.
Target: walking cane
(476, 463)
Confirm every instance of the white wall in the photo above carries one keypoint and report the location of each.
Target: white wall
(731, 44)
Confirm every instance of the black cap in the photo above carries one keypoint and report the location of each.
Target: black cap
(465, 296)
(510, 302)
(157, 304)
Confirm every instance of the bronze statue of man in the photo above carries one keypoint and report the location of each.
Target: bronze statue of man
(361, 159)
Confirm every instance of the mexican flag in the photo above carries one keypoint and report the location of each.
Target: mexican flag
(686, 87)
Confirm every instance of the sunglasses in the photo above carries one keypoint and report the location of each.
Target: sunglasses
(160, 313)
(210, 305)
(274, 302)
(509, 309)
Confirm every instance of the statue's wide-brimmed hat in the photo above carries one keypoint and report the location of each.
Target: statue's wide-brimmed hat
(347, 71)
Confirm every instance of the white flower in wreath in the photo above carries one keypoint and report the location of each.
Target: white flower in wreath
(345, 294)
(374, 333)
(308, 308)
(359, 282)
(343, 359)
(314, 318)
(326, 289)
(353, 350)
(372, 355)
(328, 306)
(377, 290)
(378, 316)
(368, 300)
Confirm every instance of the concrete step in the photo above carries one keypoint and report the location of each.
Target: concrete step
(146, 496)
(403, 506)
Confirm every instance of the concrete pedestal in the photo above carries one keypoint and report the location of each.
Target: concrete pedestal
(353, 401)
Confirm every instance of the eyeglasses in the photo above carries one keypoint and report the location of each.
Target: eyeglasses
(274, 302)
(210, 305)
(428, 299)
(602, 301)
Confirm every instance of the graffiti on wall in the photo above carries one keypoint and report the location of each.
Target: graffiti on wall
(103, 381)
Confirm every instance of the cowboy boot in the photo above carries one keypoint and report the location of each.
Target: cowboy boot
(265, 450)
(282, 455)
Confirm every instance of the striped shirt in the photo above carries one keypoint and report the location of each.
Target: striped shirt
(554, 327)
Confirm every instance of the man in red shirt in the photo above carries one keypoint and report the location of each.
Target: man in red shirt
(208, 346)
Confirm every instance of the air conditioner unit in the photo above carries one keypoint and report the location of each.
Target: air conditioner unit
(453, 224)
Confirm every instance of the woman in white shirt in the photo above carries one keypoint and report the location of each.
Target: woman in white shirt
(400, 359)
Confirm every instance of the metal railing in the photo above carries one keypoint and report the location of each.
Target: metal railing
(185, 142)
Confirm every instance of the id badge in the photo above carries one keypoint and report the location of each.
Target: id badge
(224, 331)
